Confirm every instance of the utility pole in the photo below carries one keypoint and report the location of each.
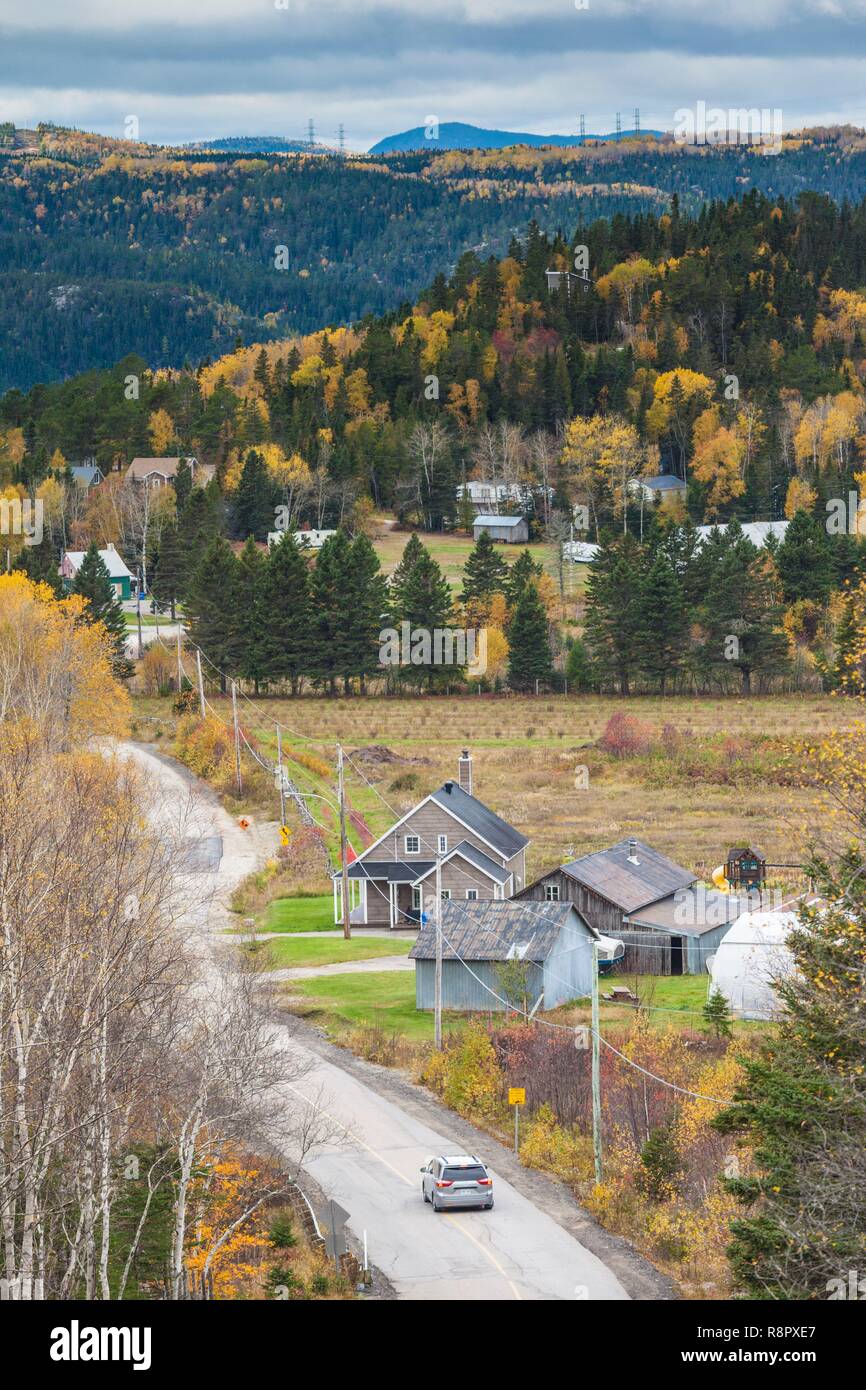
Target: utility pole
(179, 664)
(200, 682)
(238, 779)
(344, 862)
(138, 615)
(437, 1025)
(280, 775)
(596, 1072)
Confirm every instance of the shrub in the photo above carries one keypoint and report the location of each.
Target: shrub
(626, 737)
(661, 1164)
(156, 670)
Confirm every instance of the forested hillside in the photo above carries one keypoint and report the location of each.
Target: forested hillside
(111, 247)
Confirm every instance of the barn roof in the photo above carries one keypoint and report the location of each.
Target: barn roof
(493, 930)
(478, 817)
(498, 520)
(690, 912)
(614, 875)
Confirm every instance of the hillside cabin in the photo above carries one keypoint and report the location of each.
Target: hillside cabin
(514, 530)
(505, 954)
(568, 280)
(159, 472)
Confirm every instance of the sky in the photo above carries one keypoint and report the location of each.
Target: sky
(201, 69)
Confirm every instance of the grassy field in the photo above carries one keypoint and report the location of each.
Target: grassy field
(387, 1000)
(330, 950)
(722, 771)
(315, 913)
(451, 553)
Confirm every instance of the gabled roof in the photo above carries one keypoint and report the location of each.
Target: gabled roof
(86, 473)
(498, 520)
(394, 870)
(610, 873)
(493, 930)
(143, 467)
(110, 558)
(665, 482)
(478, 817)
(471, 813)
(481, 861)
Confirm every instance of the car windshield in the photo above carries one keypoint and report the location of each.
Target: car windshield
(467, 1173)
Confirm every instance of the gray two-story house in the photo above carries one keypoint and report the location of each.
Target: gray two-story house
(481, 857)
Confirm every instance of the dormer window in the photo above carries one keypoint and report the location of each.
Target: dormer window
(413, 844)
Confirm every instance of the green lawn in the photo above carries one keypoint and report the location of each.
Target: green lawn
(386, 1000)
(300, 914)
(331, 950)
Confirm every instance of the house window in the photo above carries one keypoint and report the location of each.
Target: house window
(446, 894)
(472, 894)
(413, 844)
(416, 899)
(443, 844)
(551, 892)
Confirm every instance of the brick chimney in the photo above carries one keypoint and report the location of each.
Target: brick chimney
(464, 771)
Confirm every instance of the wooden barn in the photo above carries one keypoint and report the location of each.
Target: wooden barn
(669, 923)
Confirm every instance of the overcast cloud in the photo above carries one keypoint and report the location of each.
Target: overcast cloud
(196, 69)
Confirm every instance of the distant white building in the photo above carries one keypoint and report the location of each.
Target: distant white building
(581, 552)
(662, 485)
(757, 532)
(489, 497)
(312, 539)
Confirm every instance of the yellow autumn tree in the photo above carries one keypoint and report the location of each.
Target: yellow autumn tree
(160, 428)
(800, 497)
(55, 669)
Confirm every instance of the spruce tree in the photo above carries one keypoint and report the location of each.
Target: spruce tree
(286, 614)
(614, 595)
(802, 1108)
(252, 565)
(529, 658)
(367, 605)
(255, 499)
(578, 667)
(519, 575)
(420, 596)
(804, 561)
(211, 607)
(166, 577)
(39, 563)
(664, 623)
(484, 575)
(741, 615)
(331, 647)
(93, 583)
(182, 485)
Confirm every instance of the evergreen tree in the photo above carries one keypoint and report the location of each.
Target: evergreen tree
(168, 570)
(211, 607)
(717, 1015)
(804, 561)
(664, 623)
(420, 596)
(331, 654)
(93, 583)
(287, 617)
(614, 597)
(182, 485)
(741, 614)
(519, 575)
(529, 658)
(38, 562)
(578, 667)
(484, 575)
(255, 499)
(366, 602)
(802, 1108)
(251, 614)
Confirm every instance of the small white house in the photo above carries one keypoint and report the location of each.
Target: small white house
(662, 485)
(750, 957)
(120, 575)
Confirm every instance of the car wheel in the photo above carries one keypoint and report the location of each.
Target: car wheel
(489, 1206)
(424, 1194)
(435, 1205)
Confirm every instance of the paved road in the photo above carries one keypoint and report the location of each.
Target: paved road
(517, 1251)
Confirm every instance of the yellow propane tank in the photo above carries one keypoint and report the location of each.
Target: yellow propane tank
(718, 877)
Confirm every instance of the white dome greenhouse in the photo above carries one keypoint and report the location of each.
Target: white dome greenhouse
(749, 958)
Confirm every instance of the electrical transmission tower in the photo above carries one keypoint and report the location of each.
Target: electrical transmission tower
(342, 139)
(618, 125)
(582, 129)
(637, 120)
(311, 134)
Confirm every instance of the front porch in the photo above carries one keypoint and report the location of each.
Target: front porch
(382, 895)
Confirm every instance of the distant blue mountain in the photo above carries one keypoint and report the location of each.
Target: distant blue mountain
(456, 135)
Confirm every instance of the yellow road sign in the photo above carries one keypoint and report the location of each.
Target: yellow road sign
(516, 1095)
(285, 834)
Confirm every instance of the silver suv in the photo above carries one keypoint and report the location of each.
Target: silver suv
(457, 1180)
